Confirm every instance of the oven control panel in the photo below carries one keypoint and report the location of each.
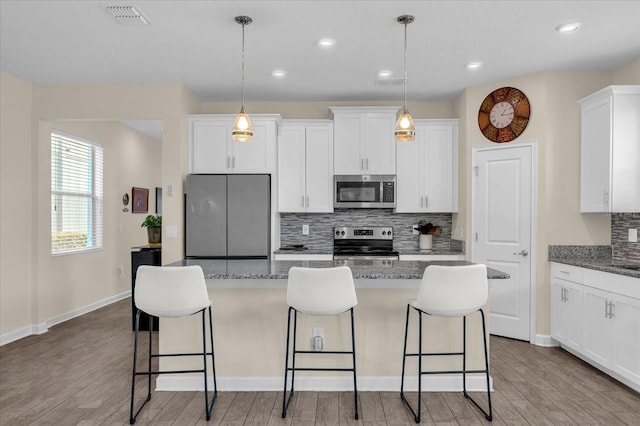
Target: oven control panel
(363, 233)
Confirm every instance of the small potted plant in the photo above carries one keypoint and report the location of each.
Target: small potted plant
(154, 228)
(427, 230)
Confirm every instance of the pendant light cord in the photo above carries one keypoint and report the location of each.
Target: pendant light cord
(405, 66)
(243, 66)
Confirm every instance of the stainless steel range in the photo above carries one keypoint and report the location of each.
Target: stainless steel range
(363, 243)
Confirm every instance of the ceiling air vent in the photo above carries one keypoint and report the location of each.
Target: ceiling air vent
(128, 15)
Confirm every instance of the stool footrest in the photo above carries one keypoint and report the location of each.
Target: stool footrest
(436, 354)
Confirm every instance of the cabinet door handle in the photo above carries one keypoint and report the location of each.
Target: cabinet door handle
(606, 309)
(421, 201)
(367, 165)
(362, 164)
(612, 313)
(426, 201)
(233, 162)
(303, 201)
(228, 161)
(307, 201)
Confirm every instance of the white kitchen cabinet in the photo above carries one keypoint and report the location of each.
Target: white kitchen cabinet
(610, 152)
(566, 309)
(427, 172)
(305, 166)
(363, 140)
(211, 149)
(597, 316)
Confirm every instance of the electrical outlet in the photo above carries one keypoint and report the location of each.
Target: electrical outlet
(415, 231)
(120, 270)
(305, 229)
(461, 233)
(317, 339)
(633, 235)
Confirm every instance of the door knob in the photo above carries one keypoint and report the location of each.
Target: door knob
(524, 253)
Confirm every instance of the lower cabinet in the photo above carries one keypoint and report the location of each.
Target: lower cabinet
(143, 256)
(597, 316)
(566, 308)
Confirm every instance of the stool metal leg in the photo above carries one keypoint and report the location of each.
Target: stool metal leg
(489, 415)
(150, 372)
(353, 349)
(415, 415)
(285, 400)
(208, 407)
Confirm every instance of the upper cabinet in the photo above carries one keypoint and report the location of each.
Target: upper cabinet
(305, 166)
(213, 151)
(427, 176)
(364, 141)
(610, 150)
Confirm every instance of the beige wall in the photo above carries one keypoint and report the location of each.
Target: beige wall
(16, 204)
(28, 111)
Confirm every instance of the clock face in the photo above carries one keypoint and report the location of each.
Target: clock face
(501, 115)
(504, 114)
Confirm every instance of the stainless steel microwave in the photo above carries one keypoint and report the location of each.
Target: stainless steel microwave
(364, 191)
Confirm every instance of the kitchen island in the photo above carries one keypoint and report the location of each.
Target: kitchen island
(250, 314)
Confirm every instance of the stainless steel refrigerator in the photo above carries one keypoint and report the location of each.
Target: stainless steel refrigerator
(228, 216)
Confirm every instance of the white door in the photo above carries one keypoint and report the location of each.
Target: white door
(502, 233)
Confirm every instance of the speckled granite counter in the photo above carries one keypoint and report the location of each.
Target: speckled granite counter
(435, 252)
(593, 257)
(279, 269)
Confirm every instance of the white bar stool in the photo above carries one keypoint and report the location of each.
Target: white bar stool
(449, 291)
(172, 292)
(319, 291)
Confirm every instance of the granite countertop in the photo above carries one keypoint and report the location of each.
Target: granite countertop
(279, 269)
(604, 264)
(599, 258)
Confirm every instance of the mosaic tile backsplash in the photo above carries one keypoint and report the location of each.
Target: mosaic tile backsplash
(620, 225)
(321, 227)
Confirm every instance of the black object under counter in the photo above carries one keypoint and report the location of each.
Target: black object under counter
(144, 255)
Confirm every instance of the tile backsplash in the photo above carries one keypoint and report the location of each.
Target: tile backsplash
(321, 227)
(620, 225)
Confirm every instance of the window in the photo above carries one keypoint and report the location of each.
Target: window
(76, 194)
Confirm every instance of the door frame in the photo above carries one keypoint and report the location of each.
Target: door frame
(533, 252)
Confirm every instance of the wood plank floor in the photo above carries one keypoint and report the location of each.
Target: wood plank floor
(79, 374)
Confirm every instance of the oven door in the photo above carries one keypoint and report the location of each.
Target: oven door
(363, 192)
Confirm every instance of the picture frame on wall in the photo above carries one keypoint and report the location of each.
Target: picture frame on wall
(140, 200)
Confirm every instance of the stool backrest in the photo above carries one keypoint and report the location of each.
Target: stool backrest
(171, 291)
(321, 291)
(453, 291)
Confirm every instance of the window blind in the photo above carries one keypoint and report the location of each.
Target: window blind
(76, 194)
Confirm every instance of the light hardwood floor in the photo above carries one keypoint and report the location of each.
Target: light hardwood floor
(79, 374)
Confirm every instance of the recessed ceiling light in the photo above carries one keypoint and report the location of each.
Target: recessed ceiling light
(474, 65)
(326, 42)
(385, 74)
(278, 73)
(568, 28)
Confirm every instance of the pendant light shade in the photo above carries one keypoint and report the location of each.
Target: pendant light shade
(242, 128)
(405, 129)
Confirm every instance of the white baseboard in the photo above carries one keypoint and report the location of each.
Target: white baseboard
(43, 327)
(440, 383)
(545, 340)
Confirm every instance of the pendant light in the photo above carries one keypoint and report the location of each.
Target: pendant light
(242, 128)
(405, 129)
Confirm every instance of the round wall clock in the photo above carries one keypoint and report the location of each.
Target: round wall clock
(504, 114)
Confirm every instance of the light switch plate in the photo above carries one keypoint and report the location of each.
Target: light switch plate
(305, 229)
(171, 231)
(633, 235)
